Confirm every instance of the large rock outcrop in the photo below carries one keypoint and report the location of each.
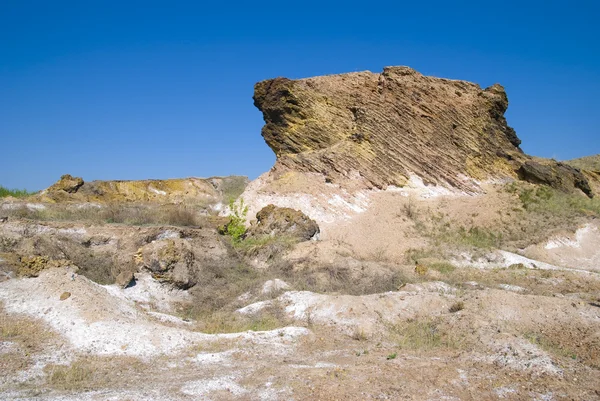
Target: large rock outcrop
(388, 126)
(383, 128)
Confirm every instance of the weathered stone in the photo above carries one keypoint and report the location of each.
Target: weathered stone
(382, 129)
(170, 261)
(557, 175)
(210, 191)
(32, 266)
(182, 262)
(389, 126)
(283, 221)
(67, 183)
(124, 279)
(273, 286)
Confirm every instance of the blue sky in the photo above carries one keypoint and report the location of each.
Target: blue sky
(148, 89)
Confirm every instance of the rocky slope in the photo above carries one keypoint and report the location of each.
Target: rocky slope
(180, 190)
(382, 129)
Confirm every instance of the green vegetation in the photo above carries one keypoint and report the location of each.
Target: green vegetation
(442, 267)
(537, 213)
(236, 227)
(16, 193)
(270, 318)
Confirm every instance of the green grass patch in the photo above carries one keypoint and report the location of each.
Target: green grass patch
(15, 193)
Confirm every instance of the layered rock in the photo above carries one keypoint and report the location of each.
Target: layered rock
(383, 129)
(386, 127)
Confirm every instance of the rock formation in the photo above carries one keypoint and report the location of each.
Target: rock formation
(67, 183)
(282, 221)
(384, 128)
(557, 175)
(180, 190)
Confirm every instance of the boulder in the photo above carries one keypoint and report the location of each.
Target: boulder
(556, 175)
(124, 279)
(282, 221)
(67, 183)
(273, 286)
(171, 261)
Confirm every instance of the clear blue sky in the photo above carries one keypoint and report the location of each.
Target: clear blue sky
(145, 89)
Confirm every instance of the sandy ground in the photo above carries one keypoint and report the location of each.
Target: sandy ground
(339, 346)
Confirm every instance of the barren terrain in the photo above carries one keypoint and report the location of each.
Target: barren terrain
(360, 267)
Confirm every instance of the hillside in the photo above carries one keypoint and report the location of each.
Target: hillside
(591, 163)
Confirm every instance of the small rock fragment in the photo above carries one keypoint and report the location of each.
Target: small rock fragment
(124, 279)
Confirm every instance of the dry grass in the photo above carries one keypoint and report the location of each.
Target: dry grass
(92, 373)
(425, 335)
(232, 187)
(338, 279)
(591, 163)
(27, 332)
(29, 337)
(270, 318)
(267, 247)
(536, 213)
(130, 214)
(76, 376)
(550, 346)
(457, 307)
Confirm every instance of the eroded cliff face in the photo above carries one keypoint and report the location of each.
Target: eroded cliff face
(386, 127)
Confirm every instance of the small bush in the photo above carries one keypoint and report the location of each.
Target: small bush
(410, 209)
(236, 227)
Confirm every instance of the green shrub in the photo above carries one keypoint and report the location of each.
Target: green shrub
(236, 227)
